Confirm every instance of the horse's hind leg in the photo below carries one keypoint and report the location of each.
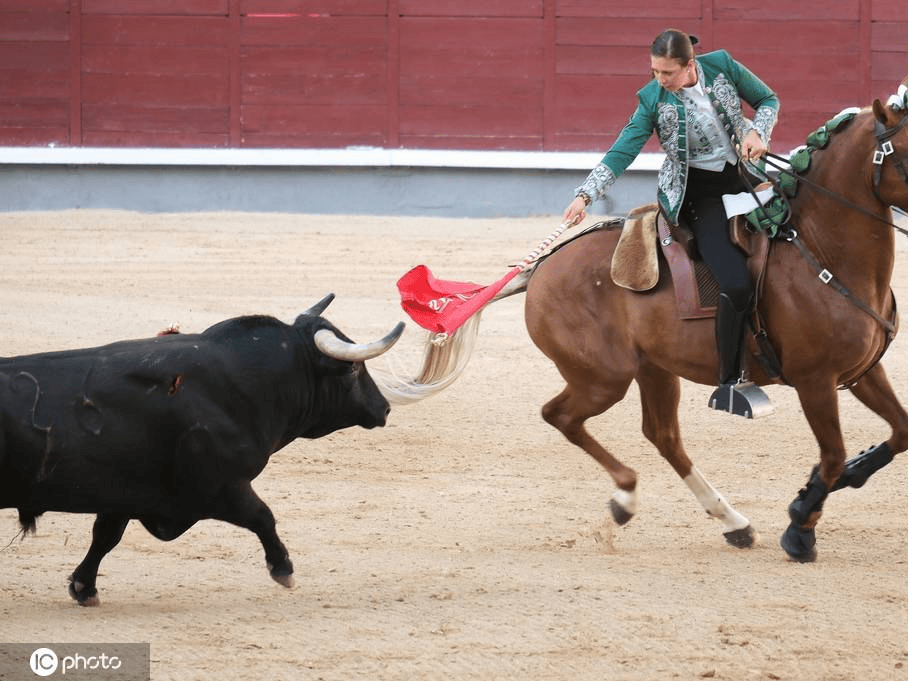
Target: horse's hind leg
(569, 410)
(660, 393)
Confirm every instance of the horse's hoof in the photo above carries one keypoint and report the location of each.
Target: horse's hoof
(620, 514)
(744, 538)
(85, 598)
(799, 544)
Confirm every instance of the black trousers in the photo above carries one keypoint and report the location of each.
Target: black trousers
(705, 214)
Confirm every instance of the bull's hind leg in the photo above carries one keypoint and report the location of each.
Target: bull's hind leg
(107, 532)
(660, 394)
(240, 505)
(580, 400)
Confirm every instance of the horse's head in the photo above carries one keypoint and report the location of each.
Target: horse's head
(890, 175)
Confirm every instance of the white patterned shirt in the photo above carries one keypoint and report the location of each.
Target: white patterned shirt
(709, 147)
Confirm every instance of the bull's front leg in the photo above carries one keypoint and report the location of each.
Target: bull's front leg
(107, 531)
(239, 505)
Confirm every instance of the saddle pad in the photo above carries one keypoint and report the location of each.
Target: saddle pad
(635, 262)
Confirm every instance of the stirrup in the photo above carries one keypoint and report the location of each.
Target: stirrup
(743, 398)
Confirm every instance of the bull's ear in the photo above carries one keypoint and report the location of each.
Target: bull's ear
(317, 309)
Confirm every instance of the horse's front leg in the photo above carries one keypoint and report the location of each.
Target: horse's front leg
(820, 404)
(875, 391)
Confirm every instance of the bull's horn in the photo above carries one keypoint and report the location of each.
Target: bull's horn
(317, 309)
(331, 345)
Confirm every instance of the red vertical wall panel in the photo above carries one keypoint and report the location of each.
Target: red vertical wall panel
(469, 83)
(155, 79)
(160, 7)
(554, 75)
(35, 72)
(314, 80)
(315, 7)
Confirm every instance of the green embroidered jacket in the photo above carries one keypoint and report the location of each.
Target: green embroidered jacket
(726, 82)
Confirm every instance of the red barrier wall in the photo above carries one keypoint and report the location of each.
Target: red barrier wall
(553, 75)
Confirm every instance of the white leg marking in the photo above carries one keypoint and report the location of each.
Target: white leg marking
(626, 500)
(714, 503)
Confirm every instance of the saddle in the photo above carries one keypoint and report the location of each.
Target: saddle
(647, 232)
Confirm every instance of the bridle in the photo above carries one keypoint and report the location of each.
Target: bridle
(884, 150)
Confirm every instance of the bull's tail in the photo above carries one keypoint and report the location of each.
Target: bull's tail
(28, 521)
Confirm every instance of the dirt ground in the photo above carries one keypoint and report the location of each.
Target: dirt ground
(467, 539)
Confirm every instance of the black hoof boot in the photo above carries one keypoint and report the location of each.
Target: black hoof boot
(798, 541)
(800, 544)
(859, 469)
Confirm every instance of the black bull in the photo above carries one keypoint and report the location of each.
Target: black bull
(172, 430)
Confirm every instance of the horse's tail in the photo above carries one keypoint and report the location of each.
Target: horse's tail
(444, 359)
(518, 284)
(445, 356)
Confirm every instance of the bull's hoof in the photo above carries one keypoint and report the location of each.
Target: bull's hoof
(800, 544)
(85, 597)
(283, 575)
(620, 514)
(744, 538)
(283, 580)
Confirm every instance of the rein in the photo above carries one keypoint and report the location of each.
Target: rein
(770, 159)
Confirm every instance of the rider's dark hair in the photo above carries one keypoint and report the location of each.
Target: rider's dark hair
(674, 44)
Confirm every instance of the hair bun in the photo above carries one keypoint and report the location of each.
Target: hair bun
(693, 39)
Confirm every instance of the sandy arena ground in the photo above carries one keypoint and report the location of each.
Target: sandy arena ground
(467, 539)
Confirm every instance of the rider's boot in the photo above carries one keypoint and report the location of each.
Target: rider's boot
(735, 393)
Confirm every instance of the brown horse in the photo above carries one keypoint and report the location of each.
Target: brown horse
(603, 337)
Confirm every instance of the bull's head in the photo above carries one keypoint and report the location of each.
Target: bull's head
(350, 396)
(333, 346)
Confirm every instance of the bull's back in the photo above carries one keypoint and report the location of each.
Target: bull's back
(106, 425)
